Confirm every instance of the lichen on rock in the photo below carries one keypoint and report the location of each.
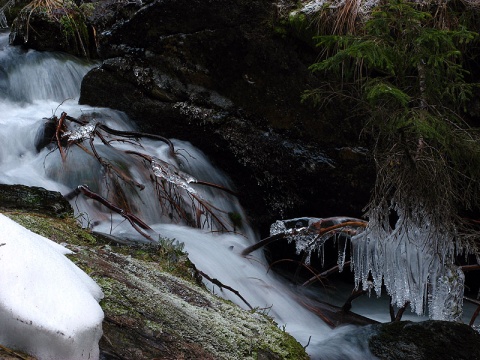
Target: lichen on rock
(154, 303)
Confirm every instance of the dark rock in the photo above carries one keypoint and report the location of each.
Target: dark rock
(217, 74)
(45, 134)
(34, 199)
(426, 340)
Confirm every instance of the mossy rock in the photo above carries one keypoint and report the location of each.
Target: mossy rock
(47, 25)
(154, 304)
(36, 199)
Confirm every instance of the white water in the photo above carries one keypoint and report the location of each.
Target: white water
(34, 86)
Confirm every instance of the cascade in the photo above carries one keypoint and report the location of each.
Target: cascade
(35, 86)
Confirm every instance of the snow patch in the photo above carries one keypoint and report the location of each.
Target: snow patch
(48, 306)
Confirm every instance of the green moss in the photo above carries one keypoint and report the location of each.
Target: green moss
(34, 199)
(74, 27)
(59, 230)
(160, 304)
(87, 9)
(302, 27)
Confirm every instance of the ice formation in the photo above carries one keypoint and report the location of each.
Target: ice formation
(298, 231)
(48, 306)
(170, 173)
(309, 234)
(81, 133)
(315, 6)
(414, 260)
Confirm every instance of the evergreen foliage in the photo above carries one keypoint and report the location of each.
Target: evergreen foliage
(404, 72)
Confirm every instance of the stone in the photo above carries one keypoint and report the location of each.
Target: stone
(425, 340)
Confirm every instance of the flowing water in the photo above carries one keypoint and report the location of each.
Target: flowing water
(35, 86)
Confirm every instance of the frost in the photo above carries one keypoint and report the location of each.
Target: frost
(447, 299)
(313, 7)
(363, 7)
(81, 133)
(170, 173)
(48, 306)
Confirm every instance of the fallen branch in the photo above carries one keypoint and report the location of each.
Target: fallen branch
(301, 263)
(177, 198)
(325, 274)
(355, 294)
(58, 131)
(169, 173)
(333, 225)
(179, 173)
(109, 167)
(477, 311)
(467, 268)
(137, 135)
(400, 311)
(263, 242)
(136, 222)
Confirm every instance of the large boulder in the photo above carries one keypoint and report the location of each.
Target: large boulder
(226, 76)
(154, 303)
(425, 340)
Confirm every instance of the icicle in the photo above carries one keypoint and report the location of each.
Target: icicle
(411, 260)
(342, 249)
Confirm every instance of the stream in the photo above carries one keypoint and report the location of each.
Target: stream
(35, 86)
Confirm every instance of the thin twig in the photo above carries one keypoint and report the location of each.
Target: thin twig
(219, 284)
(325, 273)
(136, 222)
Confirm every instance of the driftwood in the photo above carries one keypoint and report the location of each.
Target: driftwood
(400, 312)
(355, 294)
(176, 196)
(139, 225)
(321, 228)
(333, 315)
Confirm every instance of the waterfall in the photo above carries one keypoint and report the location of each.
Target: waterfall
(35, 86)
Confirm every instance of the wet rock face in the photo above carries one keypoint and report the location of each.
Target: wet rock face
(215, 73)
(425, 340)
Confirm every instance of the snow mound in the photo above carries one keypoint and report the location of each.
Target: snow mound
(48, 306)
